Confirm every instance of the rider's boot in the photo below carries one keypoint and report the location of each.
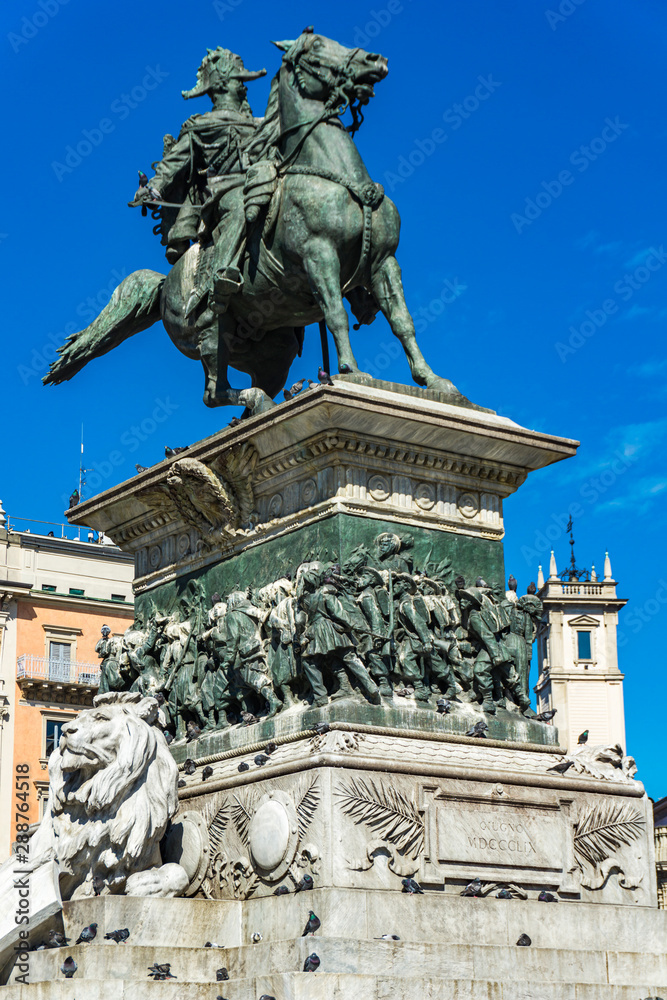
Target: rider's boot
(176, 249)
(227, 281)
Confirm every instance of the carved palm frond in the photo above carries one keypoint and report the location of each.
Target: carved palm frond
(307, 798)
(385, 810)
(218, 826)
(606, 828)
(243, 811)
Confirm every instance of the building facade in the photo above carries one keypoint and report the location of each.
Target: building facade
(55, 595)
(577, 655)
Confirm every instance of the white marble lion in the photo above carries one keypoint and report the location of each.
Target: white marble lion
(112, 791)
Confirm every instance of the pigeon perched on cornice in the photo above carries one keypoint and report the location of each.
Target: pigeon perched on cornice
(562, 767)
(69, 967)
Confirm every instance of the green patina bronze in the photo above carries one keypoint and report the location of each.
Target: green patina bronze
(269, 224)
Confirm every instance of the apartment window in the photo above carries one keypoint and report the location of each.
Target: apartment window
(59, 660)
(584, 646)
(75, 592)
(54, 728)
(49, 588)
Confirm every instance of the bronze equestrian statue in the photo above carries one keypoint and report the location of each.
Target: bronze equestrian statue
(276, 220)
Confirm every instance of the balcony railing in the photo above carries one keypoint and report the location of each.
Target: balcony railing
(582, 589)
(47, 671)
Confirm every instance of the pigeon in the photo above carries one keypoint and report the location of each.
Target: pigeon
(511, 580)
(305, 883)
(193, 732)
(411, 886)
(547, 897)
(321, 728)
(524, 941)
(402, 692)
(170, 452)
(265, 996)
(473, 888)
(182, 783)
(294, 389)
(562, 767)
(168, 737)
(443, 706)
(213, 944)
(282, 890)
(323, 377)
(189, 767)
(261, 759)
(141, 468)
(207, 772)
(388, 937)
(222, 975)
(68, 968)
(234, 422)
(248, 718)
(270, 747)
(481, 582)
(98, 884)
(546, 716)
(87, 935)
(143, 179)
(478, 730)
(504, 894)
(531, 588)
(314, 924)
(312, 963)
(161, 972)
(583, 737)
(56, 940)
(243, 766)
(345, 370)
(256, 937)
(118, 936)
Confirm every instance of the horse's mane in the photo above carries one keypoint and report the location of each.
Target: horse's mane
(264, 143)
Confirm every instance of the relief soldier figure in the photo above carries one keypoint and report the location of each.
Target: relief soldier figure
(244, 650)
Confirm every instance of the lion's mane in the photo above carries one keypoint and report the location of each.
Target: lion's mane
(108, 820)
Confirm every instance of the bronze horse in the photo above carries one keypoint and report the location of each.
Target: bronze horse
(334, 233)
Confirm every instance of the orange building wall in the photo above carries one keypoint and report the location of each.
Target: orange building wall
(29, 716)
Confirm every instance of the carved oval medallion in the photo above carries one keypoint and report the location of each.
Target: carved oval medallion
(183, 545)
(425, 496)
(154, 556)
(275, 505)
(468, 505)
(273, 835)
(378, 487)
(309, 492)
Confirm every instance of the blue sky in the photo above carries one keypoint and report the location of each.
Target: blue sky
(525, 150)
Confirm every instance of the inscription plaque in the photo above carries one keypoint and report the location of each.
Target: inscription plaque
(504, 837)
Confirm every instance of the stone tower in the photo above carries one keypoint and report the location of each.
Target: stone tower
(577, 654)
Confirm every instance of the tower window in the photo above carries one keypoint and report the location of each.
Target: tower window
(584, 646)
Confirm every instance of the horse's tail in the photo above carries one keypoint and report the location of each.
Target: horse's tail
(134, 306)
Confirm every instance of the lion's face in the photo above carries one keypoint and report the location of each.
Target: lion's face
(91, 741)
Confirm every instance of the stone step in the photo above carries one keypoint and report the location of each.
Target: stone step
(436, 917)
(398, 960)
(328, 986)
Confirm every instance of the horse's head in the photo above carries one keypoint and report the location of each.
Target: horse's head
(326, 71)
